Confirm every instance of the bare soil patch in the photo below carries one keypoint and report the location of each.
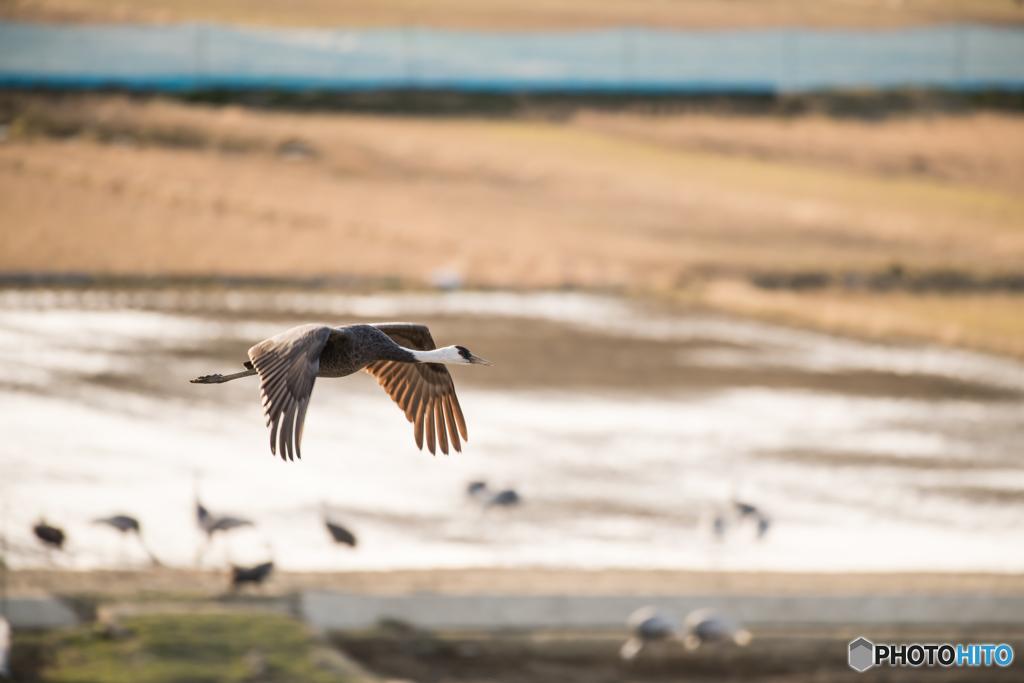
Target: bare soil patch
(532, 14)
(680, 207)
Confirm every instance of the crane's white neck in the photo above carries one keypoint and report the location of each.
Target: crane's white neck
(449, 354)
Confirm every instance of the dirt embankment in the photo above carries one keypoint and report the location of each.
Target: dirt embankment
(908, 227)
(531, 14)
(158, 585)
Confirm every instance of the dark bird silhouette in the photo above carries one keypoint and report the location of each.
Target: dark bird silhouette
(211, 524)
(203, 517)
(761, 521)
(720, 525)
(227, 524)
(402, 356)
(648, 624)
(130, 525)
(744, 509)
(340, 534)
(254, 575)
(122, 523)
(708, 626)
(50, 535)
(507, 498)
(480, 493)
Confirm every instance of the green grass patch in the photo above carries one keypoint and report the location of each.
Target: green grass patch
(198, 648)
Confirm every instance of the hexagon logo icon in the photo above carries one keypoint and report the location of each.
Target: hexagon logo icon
(862, 654)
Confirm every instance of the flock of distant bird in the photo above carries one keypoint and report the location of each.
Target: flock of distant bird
(701, 626)
(738, 514)
(54, 537)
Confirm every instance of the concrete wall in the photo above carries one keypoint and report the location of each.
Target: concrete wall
(38, 613)
(351, 611)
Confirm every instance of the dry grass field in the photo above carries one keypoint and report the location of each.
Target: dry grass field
(686, 207)
(531, 14)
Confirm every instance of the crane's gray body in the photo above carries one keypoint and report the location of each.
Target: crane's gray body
(350, 348)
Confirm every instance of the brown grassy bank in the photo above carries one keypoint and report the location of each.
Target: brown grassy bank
(687, 207)
(532, 14)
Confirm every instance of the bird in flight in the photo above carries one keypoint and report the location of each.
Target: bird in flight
(402, 356)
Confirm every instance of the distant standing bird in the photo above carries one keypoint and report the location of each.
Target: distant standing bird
(763, 523)
(122, 523)
(479, 492)
(50, 535)
(507, 498)
(211, 524)
(649, 624)
(761, 520)
(720, 525)
(708, 626)
(254, 575)
(402, 356)
(227, 524)
(340, 534)
(744, 509)
(203, 517)
(126, 525)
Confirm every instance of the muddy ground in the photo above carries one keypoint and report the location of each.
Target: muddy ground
(156, 584)
(534, 14)
(777, 655)
(905, 227)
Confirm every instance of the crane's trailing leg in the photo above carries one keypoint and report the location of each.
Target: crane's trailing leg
(220, 379)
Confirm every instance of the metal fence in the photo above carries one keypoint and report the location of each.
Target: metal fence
(185, 57)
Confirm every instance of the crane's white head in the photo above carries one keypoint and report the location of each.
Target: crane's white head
(452, 355)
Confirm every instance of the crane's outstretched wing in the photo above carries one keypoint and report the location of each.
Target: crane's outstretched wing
(424, 391)
(287, 364)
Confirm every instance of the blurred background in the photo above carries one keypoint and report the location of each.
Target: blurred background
(751, 273)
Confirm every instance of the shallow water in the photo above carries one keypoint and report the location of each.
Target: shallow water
(625, 428)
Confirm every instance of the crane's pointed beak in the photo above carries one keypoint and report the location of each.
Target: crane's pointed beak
(477, 360)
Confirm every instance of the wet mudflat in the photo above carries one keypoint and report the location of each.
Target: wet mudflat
(625, 427)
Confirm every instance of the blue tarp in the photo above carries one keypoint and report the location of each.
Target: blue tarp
(186, 57)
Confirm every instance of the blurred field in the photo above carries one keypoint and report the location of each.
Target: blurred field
(534, 14)
(179, 625)
(905, 227)
(181, 647)
(235, 647)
